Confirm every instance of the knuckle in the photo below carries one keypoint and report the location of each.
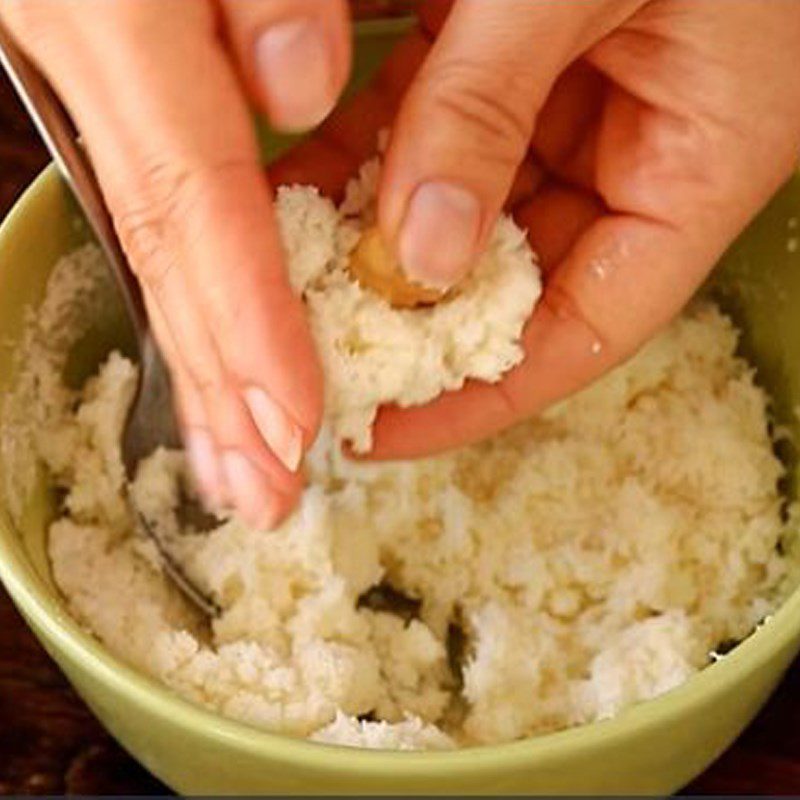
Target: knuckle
(145, 220)
(683, 151)
(154, 210)
(142, 236)
(500, 122)
(677, 154)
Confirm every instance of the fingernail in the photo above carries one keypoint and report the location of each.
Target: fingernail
(203, 464)
(252, 497)
(283, 436)
(439, 236)
(295, 69)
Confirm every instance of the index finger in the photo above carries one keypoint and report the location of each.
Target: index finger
(160, 109)
(624, 278)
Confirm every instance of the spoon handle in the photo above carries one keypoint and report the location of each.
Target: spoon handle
(62, 141)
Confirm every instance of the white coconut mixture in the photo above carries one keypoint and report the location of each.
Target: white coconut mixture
(583, 561)
(374, 354)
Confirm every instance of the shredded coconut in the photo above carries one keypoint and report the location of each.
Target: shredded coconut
(581, 562)
(410, 734)
(373, 354)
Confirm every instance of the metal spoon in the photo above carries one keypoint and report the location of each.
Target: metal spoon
(151, 422)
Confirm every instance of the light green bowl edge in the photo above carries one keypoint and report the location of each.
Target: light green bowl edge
(40, 607)
(44, 611)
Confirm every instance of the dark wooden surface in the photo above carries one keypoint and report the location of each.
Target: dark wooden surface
(51, 744)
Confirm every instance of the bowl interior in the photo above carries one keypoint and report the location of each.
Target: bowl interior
(757, 282)
(30, 257)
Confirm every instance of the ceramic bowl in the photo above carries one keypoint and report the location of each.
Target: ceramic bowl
(654, 747)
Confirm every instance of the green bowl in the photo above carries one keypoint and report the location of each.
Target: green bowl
(654, 747)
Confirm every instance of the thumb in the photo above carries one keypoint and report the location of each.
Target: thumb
(467, 121)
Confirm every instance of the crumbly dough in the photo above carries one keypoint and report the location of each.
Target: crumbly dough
(410, 734)
(374, 354)
(584, 561)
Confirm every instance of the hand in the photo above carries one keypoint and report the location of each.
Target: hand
(633, 139)
(159, 91)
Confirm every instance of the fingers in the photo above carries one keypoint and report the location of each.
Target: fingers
(567, 127)
(159, 106)
(621, 281)
(612, 281)
(252, 478)
(200, 448)
(467, 122)
(294, 56)
(333, 154)
(675, 181)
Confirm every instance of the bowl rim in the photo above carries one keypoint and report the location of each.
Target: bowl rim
(46, 612)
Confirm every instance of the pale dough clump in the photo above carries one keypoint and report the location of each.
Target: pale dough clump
(411, 734)
(584, 561)
(373, 354)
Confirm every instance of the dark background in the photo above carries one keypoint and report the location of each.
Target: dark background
(51, 744)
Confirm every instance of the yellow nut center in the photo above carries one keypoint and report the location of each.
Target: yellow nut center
(375, 268)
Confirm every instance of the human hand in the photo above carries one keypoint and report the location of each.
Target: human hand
(633, 139)
(158, 89)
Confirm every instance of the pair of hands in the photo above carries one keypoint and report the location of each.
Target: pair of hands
(633, 138)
